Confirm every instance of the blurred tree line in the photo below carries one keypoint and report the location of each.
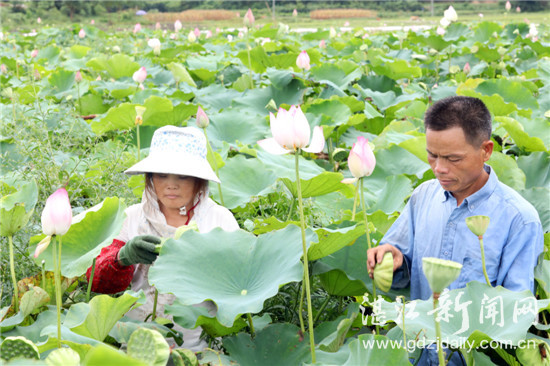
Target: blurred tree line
(98, 8)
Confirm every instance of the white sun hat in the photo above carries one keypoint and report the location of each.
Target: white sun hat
(176, 150)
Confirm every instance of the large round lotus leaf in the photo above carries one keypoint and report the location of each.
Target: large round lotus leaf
(365, 350)
(276, 344)
(89, 233)
(236, 270)
(17, 205)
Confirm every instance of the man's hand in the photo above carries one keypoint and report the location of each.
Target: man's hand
(376, 254)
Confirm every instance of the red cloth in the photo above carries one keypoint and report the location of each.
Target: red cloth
(109, 276)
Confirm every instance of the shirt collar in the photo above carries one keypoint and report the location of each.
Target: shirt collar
(473, 200)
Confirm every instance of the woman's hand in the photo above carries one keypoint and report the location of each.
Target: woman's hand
(140, 249)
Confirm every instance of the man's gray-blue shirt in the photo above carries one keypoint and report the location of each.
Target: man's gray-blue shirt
(431, 225)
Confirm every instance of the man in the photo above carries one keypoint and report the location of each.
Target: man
(458, 142)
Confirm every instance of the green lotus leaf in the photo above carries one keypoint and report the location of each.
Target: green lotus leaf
(90, 231)
(536, 167)
(276, 344)
(248, 269)
(283, 166)
(63, 357)
(520, 137)
(324, 183)
(510, 91)
(118, 66)
(538, 197)
(363, 354)
(334, 112)
(104, 312)
(16, 205)
(216, 97)
(32, 300)
(181, 74)
(108, 356)
(234, 124)
(259, 60)
(242, 179)
(507, 170)
(334, 237)
(61, 82)
(337, 283)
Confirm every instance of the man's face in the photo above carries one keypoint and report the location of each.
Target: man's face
(456, 163)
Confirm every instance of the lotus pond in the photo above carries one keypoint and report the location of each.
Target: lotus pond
(69, 107)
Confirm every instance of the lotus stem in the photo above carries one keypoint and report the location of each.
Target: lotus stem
(249, 59)
(302, 327)
(483, 260)
(355, 201)
(91, 281)
(154, 316)
(403, 324)
(251, 324)
(306, 264)
(440, 353)
(321, 309)
(13, 278)
(290, 210)
(43, 274)
(78, 95)
(364, 208)
(138, 143)
(57, 279)
(209, 148)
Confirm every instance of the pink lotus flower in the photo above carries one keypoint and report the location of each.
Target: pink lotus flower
(202, 118)
(38, 20)
(346, 24)
(34, 53)
(467, 68)
(137, 28)
(98, 78)
(440, 31)
(295, 13)
(218, 30)
(57, 215)
(240, 35)
(361, 160)
(177, 25)
(157, 26)
(508, 6)
(208, 34)
(481, 15)
(248, 19)
(518, 9)
(322, 44)
(78, 77)
(197, 32)
(303, 61)
(92, 22)
(81, 34)
(291, 132)
(3, 69)
(140, 75)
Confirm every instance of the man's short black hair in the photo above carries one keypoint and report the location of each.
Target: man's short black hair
(468, 113)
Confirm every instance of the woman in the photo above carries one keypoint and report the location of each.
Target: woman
(176, 193)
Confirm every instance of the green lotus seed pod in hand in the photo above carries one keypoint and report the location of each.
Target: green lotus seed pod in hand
(478, 224)
(440, 272)
(63, 357)
(383, 272)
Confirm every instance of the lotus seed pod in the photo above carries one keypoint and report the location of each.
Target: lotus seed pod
(383, 272)
(536, 353)
(478, 224)
(18, 347)
(184, 357)
(440, 272)
(149, 346)
(63, 357)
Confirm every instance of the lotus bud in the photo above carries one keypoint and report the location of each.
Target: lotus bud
(248, 19)
(450, 14)
(481, 15)
(508, 6)
(137, 28)
(3, 69)
(440, 31)
(332, 32)
(518, 9)
(57, 215)
(81, 33)
(197, 32)
(140, 75)
(157, 26)
(34, 53)
(478, 224)
(208, 34)
(139, 115)
(202, 118)
(177, 25)
(303, 61)
(116, 49)
(322, 44)
(361, 160)
(295, 13)
(466, 69)
(444, 22)
(440, 272)
(78, 77)
(383, 272)
(154, 43)
(191, 36)
(92, 22)
(240, 35)
(38, 20)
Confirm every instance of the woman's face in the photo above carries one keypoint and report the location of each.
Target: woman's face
(174, 191)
